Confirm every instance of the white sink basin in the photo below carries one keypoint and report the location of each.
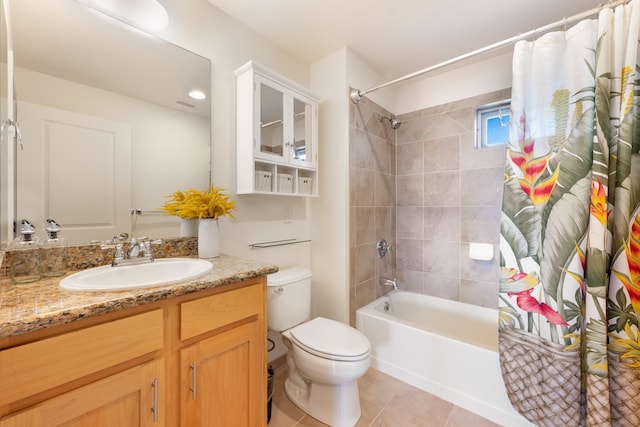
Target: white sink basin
(157, 273)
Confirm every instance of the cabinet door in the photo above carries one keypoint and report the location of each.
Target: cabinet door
(303, 139)
(129, 398)
(224, 380)
(272, 131)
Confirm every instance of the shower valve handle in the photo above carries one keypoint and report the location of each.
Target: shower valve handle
(383, 248)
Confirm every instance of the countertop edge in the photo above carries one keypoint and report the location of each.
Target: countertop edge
(80, 305)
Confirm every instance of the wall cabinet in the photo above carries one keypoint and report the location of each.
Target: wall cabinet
(277, 132)
(197, 360)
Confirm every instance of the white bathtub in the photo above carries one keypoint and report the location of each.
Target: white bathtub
(444, 347)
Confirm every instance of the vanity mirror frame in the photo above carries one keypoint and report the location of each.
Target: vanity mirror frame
(147, 166)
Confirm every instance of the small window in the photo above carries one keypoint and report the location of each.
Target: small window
(492, 124)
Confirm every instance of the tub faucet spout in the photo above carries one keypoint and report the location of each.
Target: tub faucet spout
(389, 282)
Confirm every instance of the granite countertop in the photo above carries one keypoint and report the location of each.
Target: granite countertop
(32, 306)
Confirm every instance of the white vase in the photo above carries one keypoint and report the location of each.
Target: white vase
(208, 238)
(189, 227)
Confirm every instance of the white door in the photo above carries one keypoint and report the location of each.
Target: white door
(75, 169)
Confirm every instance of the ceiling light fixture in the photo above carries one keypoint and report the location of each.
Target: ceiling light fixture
(197, 94)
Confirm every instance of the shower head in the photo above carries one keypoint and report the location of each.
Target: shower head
(395, 124)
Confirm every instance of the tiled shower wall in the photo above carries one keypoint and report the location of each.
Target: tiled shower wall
(372, 198)
(449, 194)
(440, 195)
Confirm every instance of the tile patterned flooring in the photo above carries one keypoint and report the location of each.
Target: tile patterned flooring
(385, 402)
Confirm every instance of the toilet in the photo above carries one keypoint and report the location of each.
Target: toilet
(325, 357)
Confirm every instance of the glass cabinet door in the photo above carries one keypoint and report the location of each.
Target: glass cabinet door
(302, 149)
(271, 122)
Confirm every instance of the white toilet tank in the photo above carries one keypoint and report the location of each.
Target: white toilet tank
(288, 298)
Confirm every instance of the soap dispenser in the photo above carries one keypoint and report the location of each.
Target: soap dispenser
(25, 255)
(55, 252)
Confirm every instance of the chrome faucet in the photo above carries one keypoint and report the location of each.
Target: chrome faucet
(139, 251)
(389, 282)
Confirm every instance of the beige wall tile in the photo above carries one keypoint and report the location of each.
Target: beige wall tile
(363, 187)
(481, 187)
(437, 285)
(431, 193)
(442, 189)
(484, 294)
(409, 254)
(442, 154)
(442, 223)
(364, 266)
(442, 257)
(365, 225)
(410, 190)
(384, 189)
(410, 158)
(410, 222)
(480, 224)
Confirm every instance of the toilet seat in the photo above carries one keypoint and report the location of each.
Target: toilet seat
(330, 340)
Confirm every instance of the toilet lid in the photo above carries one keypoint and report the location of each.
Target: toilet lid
(331, 340)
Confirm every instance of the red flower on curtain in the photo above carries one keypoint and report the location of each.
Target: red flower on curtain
(532, 183)
(531, 305)
(632, 249)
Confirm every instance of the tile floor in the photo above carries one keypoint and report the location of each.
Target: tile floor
(385, 402)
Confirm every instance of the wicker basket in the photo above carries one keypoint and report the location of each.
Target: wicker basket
(625, 399)
(542, 379)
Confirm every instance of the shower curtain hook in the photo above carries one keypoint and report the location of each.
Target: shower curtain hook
(534, 35)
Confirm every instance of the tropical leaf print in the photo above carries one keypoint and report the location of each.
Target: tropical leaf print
(575, 160)
(566, 227)
(520, 224)
(596, 347)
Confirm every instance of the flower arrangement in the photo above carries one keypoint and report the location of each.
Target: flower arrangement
(191, 204)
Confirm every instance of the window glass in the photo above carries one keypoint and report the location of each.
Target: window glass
(492, 124)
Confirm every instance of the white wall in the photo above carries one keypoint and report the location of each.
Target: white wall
(330, 214)
(483, 76)
(200, 27)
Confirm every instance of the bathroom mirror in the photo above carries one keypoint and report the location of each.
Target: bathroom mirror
(108, 129)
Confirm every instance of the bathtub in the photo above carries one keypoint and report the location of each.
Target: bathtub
(444, 347)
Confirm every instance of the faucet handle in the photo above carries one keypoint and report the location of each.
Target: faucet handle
(118, 254)
(145, 248)
(110, 245)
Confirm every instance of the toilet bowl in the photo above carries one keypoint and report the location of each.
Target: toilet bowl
(325, 357)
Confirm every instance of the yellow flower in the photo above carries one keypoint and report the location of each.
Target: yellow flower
(599, 202)
(210, 203)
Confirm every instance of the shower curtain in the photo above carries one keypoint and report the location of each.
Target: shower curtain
(569, 337)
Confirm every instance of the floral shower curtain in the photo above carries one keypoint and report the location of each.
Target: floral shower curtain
(570, 230)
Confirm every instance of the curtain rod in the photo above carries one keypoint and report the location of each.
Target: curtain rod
(356, 95)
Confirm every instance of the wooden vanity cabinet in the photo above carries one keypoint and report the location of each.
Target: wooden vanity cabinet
(194, 360)
(223, 375)
(128, 398)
